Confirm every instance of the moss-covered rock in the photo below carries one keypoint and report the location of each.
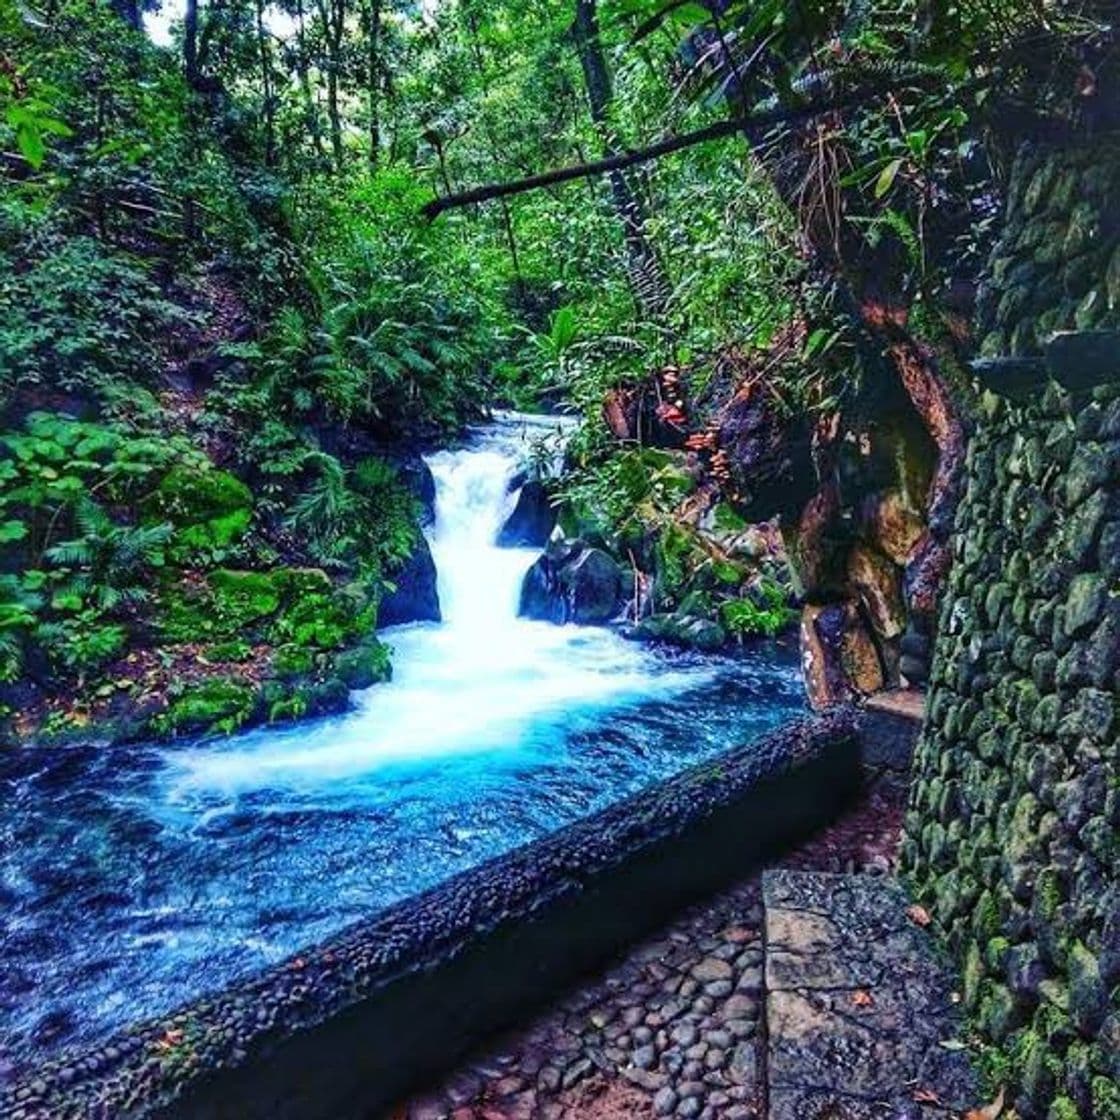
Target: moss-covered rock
(210, 510)
(682, 630)
(366, 665)
(216, 706)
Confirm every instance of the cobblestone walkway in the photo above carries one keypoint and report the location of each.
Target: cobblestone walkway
(673, 1028)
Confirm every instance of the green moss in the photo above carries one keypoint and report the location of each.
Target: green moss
(291, 707)
(210, 510)
(973, 976)
(244, 597)
(323, 622)
(1106, 1099)
(995, 953)
(985, 917)
(364, 666)
(995, 1069)
(217, 706)
(235, 650)
(295, 583)
(1063, 1109)
(1035, 1066)
(292, 661)
(224, 607)
(1048, 893)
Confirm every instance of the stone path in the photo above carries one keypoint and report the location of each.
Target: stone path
(673, 1029)
(859, 1013)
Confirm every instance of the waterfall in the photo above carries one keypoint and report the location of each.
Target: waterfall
(479, 583)
(483, 679)
(188, 865)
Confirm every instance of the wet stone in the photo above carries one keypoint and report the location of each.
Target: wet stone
(646, 1079)
(576, 1072)
(548, 1081)
(711, 969)
(829, 936)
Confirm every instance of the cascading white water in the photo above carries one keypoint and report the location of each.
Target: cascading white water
(479, 583)
(188, 865)
(481, 680)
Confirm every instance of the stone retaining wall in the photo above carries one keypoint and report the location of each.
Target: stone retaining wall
(1012, 834)
(347, 1027)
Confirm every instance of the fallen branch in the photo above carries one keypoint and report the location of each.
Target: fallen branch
(746, 124)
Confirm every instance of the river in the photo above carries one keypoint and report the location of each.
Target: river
(136, 878)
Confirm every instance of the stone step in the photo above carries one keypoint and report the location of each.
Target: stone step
(859, 1011)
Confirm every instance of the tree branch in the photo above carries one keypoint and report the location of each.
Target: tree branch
(746, 124)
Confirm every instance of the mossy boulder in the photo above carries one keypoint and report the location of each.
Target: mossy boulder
(363, 666)
(210, 511)
(682, 630)
(217, 706)
(414, 594)
(532, 519)
(224, 606)
(572, 582)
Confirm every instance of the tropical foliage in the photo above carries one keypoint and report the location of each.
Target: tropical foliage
(224, 312)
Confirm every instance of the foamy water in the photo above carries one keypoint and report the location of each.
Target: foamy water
(134, 879)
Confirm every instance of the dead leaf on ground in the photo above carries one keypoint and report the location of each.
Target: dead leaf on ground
(926, 1096)
(863, 999)
(988, 1112)
(919, 915)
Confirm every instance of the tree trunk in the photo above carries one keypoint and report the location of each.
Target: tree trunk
(129, 11)
(373, 77)
(647, 276)
(310, 109)
(266, 89)
(334, 19)
(190, 43)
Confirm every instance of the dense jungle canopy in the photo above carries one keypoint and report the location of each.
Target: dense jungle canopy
(242, 284)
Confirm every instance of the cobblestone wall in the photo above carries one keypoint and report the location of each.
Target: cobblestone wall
(1057, 265)
(1012, 834)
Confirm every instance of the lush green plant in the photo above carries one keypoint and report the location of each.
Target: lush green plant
(323, 622)
(362, 519)
(107, 563)
(81, 642)
(79, 318)
(19, 607)
(765, 610)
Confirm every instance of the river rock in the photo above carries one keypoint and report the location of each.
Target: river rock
(418, 479)
(876, 580)
(925, 575)
(681, 630)
(838, 655)
(415, 597)
(532, 520)
(572, 582)
(766, 451)
(891, 523)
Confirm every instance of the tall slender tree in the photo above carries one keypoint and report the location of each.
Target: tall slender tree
(647, 274)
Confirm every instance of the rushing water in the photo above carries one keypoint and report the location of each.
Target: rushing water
(136, 878)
